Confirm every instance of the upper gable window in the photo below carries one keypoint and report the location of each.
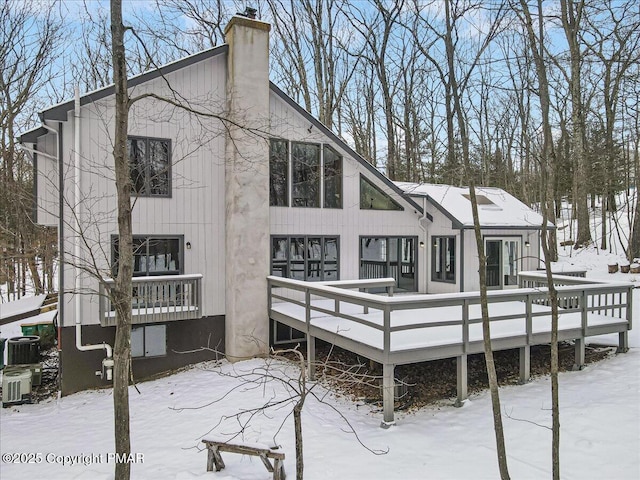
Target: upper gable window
(279, 173)
(305, 173)
(150, 164)
(332, 178)
(372, 198)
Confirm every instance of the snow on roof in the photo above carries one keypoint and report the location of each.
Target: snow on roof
(496, 208)
(20, 307)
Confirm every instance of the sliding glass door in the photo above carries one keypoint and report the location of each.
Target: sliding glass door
(503, 260)
(394, 257)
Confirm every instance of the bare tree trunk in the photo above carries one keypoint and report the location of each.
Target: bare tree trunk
(571, 17)
(121, 292)
(547, 161)
(486, 330)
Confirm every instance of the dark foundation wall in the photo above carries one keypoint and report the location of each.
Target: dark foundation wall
(78, 368)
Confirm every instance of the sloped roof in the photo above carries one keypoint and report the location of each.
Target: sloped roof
(497, 208)
(59, 111)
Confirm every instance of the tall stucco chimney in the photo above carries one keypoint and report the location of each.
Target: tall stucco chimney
(247, 189)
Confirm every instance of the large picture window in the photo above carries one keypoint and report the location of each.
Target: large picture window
(443, 259)
(305, 167)
(332, 178)
(305, 258)
(153, 255)
(150, 164)
(279, 173)
(298, 170)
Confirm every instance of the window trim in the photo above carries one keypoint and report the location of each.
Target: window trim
(169, 167)
(144, 341)
(380, 191)
(322, 177)
(319, 194)
(434, 239)
(178, 237)
(288, 237)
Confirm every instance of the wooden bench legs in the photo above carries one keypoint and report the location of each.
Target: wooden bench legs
(215, 459)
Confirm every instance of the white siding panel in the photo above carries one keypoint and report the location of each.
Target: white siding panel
(196, 207)
(47, 181)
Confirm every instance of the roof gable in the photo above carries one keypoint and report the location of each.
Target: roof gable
(343, 145)
(59, 111)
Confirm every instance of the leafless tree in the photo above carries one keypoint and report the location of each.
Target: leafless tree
(289, 369)
(376, 29)
(453, 15)
(571, 16)
(612, 37)
(121, 292)
(547, 160)
(29, 43)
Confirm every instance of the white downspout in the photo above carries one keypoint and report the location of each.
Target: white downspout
(107, 363)
(423, 226)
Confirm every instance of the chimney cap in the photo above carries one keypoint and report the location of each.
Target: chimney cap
(249, 12)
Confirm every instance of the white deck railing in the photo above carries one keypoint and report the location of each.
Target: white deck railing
(157, 299)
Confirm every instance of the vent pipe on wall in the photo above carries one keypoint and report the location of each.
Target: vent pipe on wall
(107, 363)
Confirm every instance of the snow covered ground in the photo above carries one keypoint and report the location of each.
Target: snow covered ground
(600, 438)
(600, 422)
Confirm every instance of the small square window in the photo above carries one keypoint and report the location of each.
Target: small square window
(149, 341)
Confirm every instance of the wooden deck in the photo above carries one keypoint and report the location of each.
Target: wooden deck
(401, 329)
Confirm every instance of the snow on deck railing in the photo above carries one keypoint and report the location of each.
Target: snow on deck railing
(575, 295)
(161, 298)
(539, 279)
(417, 328)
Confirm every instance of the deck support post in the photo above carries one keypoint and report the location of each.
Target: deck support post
(623, 342)
(462, 379)
(388, 395)
(579, 358)
(525, 364)
(311, 357)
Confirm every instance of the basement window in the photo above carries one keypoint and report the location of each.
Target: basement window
(149, 341)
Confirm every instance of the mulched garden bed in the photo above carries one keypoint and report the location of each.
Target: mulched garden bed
(430, 383)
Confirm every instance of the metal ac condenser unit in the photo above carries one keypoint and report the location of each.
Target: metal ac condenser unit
(16, 386)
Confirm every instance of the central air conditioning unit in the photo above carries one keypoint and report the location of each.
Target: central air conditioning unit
(16, 386)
